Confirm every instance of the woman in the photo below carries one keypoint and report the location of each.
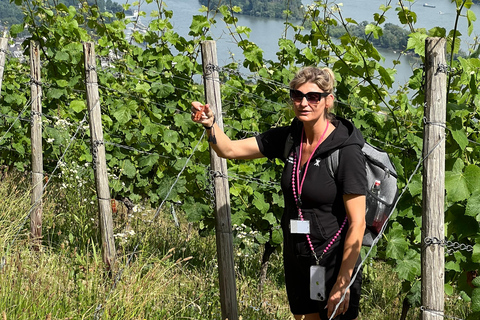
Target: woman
(324, 217)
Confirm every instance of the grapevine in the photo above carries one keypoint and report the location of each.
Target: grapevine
(147, 83)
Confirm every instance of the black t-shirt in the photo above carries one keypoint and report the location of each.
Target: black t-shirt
(322, 194)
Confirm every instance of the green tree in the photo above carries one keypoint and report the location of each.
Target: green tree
(9, 13)
(262, 8)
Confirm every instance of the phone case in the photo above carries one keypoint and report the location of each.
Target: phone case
(317, 283)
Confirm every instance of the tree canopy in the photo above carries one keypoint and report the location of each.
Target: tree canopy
(10, 13)
(263, 8)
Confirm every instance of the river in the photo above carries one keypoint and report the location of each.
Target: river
(266, 31)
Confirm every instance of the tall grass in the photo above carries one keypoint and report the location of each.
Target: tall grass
(171, 275)
(14, 207)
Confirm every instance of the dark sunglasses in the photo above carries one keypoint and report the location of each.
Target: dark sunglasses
(312, 97)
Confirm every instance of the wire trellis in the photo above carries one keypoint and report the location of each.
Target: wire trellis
(232, 176)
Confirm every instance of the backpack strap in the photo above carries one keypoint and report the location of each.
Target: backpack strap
(332, 163)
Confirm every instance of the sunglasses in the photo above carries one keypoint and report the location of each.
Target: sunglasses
(312, 97)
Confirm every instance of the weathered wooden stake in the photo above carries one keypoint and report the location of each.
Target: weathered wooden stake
(433, 256)
(98, 155)
(223, 224)
(36, 141)
(3, 54)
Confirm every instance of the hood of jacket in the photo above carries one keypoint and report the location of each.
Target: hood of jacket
(345, 134)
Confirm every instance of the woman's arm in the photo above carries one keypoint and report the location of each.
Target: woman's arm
(355, 207)
(223, 146)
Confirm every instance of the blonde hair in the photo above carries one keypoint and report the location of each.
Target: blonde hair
(324, 78)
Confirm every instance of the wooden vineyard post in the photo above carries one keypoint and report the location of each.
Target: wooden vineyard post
(433, 255)
(98, 157)
(3, 54)
(36, 141)
(223, 224)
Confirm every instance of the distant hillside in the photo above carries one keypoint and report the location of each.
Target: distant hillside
(9, 13)
(262, 8)
(12, 14)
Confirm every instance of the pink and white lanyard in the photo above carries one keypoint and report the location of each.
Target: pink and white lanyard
(298, 185)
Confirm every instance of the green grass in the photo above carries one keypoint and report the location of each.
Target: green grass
(172, 275)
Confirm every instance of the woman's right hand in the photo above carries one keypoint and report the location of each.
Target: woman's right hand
(202, 114)
(221, 144)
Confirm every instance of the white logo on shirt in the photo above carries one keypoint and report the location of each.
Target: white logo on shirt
(317, 162)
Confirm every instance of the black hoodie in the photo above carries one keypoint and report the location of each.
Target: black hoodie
(322, 195)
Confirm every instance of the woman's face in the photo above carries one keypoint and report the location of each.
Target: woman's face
(316, 108)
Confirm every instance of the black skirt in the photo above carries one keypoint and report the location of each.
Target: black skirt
(297, 280)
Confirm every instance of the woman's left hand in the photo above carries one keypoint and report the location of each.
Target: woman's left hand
(335, 296)
(355, 206)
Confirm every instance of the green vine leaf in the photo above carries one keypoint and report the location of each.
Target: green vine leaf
(397, 246)
(122, 115)
(277, 236)
(416, 41)
(170, 136)
(376, 30)
(456, 186)
(198, 23)
(416, 185)
(129, 169)
(461, 224)
(260, 203)
(270, 217)
(142, 88)
(409, 267)
(78, 105)
(473, 206)
(476, 251)
(62, 56)
(262, 238)
(458, 133)
(472, 176)
(448, 289)
(471, 17)
(406, 16)
(148, 161)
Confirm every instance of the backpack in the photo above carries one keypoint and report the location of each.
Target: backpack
(382, 190)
